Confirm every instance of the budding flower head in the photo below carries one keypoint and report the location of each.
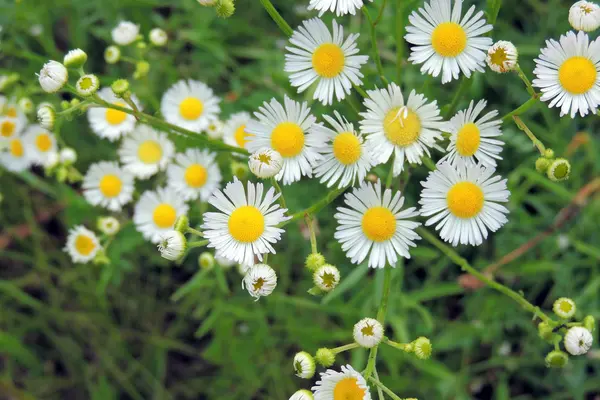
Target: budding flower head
(549, 154)
(125, 33)
(260, 280)
(182, 223)
(46, 117)
(53, 76)
(564, 308)
(52, 160)
(141, 69)
(265, 163)
(304, 365)
(422, 348)
(578, 340)
(545, 331)
(120, 87)
(557, 359)
(224, 8)
(326, 277)
(559, 170)
(325, 357)
(302, 395)
(75, 58)
(68, 156)
(206, 260)
(26, 105)
(240, 170)
(108, 225)
(87, 85)
(314, 261)
(589, 323)
(214, 130)
(584, 16)
(158, 37)
(542, 164)
(112, 54)
(368, 332)
(172, 245)
(502, 57)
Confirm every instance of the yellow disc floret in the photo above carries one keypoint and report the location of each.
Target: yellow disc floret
(43, 142)
(115, 117)
(241, 136)
(449, 39)
(84, 245)
(191, 108)
(401, 126)
(288, 139)
(150, 152)
(16, 148)
(468, 139)
(577, 75)
(110, 185)
(378, 224)
(7, 128)
(465, 200)
(195, 175)
(348, 389)
(328, 60)
(164, 215)
(246, 224)
(346, 148)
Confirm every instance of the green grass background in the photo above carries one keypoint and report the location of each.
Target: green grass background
(115, 332)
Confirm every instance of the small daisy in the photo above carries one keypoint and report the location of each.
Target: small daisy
(422, 348)
(578, 340)
(16, 155)
(145, 152)
(245, 225)
(502, 57)
(82, 244)
(346, 384)
(190, 104)
(234, 130)
(107, 185)
(374, 223)
(214, 130)
(584, 16)
(564, 308)
(194, 174)
(260, 280)
(41, 144)
(108, 123)
(287, 129)
(368, 332)
(315, 55)
(11, 127)
(156, 212)
(472, 139)
(464, 202)
(444, 42)
(341, 7)
(172, 245)
(304, 365)
(405, 130)
(108, 225)
(265, 163)
(326, 277)
(346, 156)
(125, 33)
(568, 74)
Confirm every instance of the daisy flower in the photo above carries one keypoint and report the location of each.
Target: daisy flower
(16, 155)
(214, 130)
(315, 55)
(464, 202)
(11, 126)
(341, 7)
(172, 245)
(346, 384)
(287, 130)
(234, 130)
(265, 163)
(246, 224)
(190, 104)
(260, 280)
(502, 57)
(346, 156)
(108, 123)
(41, 144)
(446, 42)
(393, 127)
(472, 139)
(584, 16)
(568, 74)
(368, 332)
(156, 212)
(374, 225)
(107, 185)
(304, 365)
(194, 174)
(578, 340)
(145, 152)
(82, 244)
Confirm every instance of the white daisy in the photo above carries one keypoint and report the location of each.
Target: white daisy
(341, 7)
(234, 130)
(125, 33)
(502, 57)
(464, 202)
(260, 280)
(315, 55)
(346, 384)
(41, 144)
(190, 104)
(11, 126)
(15, 157)
(145, 152)
(444, 42)
(326, 277)
(82, 244)
(287, 130)
(346, 156)
(108, 225)
(584, 16)
(578, 340)
(108, 123)
(107, 185)
(568, 74)
(472, 139)
(265, 163)
(194, 174)
(374, 223)
(156, 212)
(368, 332)
(246, 224)
(405, 130)
(214, 130)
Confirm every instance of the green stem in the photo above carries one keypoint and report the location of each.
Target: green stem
(360, 91)
(194, 231)
(329, 197)
(379, 391)
(376, 55)
(400, 346)
(390, 176)
(537, 143)
(380, 15)
(278, 188)
(521, 109)
(275, 16)
(384, 388)
(525, 80)
(387, 284)
(464, 84)
(345, 347)
(399, 40)
(313, 236)
(200, 243)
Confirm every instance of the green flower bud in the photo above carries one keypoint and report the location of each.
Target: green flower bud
(304, 365)
(65, 104)
(75, 102)
(182, 224)
(206, 260)
(75, 59)
(240, 170)
(314, 261)
(564, 307)
(141, 69)
(557, 359)
(101, 258)
(589, 323)
(541, 165)
(545, 332)
(224, 8)
(559, 170)
(112, 54)
(422, 348)
(549, 153)
(120, 87)
(141, 45)
(325, 357)
(61, 174)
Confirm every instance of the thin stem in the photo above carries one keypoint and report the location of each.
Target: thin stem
(345, 347)
(390, 176)
(278, 188)
(275, 16)
(329, 197)
(399, 40)
(464, 83)
(360, 91)
(313, 236)
(387, 284)
(525, 80)
(376, 55)
(380, 15)
(384, 388)
(379, 391)
(200, 243)
(194, 231)
(536, 142)
(399, 346)
(521, 109)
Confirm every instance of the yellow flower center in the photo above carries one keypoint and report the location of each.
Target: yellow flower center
(328, 279)
(240, 136)
(246, 224)
(264, 158)
(348, 389)
(191, 108)
(7, 128)
(346, 148)
(399, 130)
(16, 148)
(11, 112)
(195, 175)
(577, 75)
(328, 60)
(288, 139)
(565, 306)
(465, 200)
(150, 152)
(367, 330)
(467, 140)
(110, 185)
(449, 39)
(115, 117)
(43, 142)
(258, 284)
(499, 57)
(164, 215)
(586, 8)
(378, 224)
(84, 245)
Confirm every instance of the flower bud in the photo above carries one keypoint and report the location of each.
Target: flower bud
(125, 33)
(578, 340)
(68, 156)
(502, 57)
(61, 174)
(314, 261)
(52, 160)
(589, 323)
(172, 245)
(422, 348)
(158, 37)
(64, 104)
(559, 170)
(112, 54)
(260, 280)
(26, 105)
(564, 307)
(108, 225)
(141, 45)
(141, 69)
(302, 395)
(224, 8)
(368, 332)
(239, 170)
(75, 59)
(545, 332)
(326, 277)
(87, 85)
(542, 164)
(120, 87)
(557, 359)
(53, 76)
(584, 16)
(265, 163)
(215, 129)
(304, 365)
(549, 154)
(325, 357)
(46, 117)
(182, 224)
(206, 260)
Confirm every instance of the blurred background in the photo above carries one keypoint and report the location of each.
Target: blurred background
(138, 329)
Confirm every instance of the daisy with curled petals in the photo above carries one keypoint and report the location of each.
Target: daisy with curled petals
(287, 129)
(109, 123)
(107, 185)
(190, 104)
(446, 42)
(341, 7)
(393, 127)
(464, 202)
(41, 144)
(234, 130)
(373, 224)
(246, 224)
(315, 55)
(82, 244)
(16, 155)
(568, 74)
(194, 174)
(346, 384)
(471, 140)
(156, 212)
(145, 152)
(346, 156)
